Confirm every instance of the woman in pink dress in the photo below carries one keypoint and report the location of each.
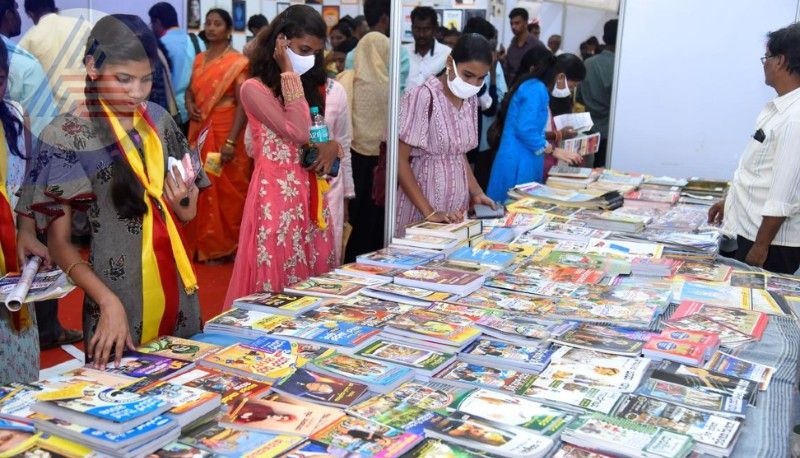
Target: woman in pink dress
(282, 240)
(438, 125)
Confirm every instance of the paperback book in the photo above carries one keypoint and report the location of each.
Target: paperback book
(274, 417)
(532, 357)
(422, 360)
(137, 364)
(322, 389)
(434, 327)
(187, 404)
(269, 361)
(398, 258)
(229, 386)
(357, 269)
(378, 376)
(424, 396)
(177, 348)
(599, 338)
(442, 280)
(586, 367)
(467, 375)
(574, 396)
(724, 363)
(325, 287)
(624, 437)
(231, 443)
(406, 294)
(277, 303)
(476, 256)
(352, 436)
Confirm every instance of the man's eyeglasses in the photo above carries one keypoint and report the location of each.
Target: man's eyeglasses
(764, 59)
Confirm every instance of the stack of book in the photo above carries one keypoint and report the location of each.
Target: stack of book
(687, 347)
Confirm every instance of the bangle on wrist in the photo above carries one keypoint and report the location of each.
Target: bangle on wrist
(230, 142)
(75, 264)
(429, 216)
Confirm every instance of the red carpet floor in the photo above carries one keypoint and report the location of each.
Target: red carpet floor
(213, 281)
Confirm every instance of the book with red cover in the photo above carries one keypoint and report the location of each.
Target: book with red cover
(659, 348)
(438, 279)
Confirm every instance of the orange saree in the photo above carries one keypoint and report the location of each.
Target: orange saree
(215, 232)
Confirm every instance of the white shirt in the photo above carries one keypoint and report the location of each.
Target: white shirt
(767, 181)
(423, 67)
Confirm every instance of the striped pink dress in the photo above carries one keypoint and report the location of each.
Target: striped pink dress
(440, 138)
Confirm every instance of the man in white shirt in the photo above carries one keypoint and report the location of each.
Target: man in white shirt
(58, 41)
(762, 209)
(427, 57)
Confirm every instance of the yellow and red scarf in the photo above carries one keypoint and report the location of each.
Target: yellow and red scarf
(162, 246)
(8, 235)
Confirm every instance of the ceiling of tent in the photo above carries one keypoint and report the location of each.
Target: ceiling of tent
(606, 5)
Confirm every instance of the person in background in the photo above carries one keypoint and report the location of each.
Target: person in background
(19, 337)
(427, 56)
(163, 92)
(138, 282)
(438, 125)
(522, 42)
(450, 37)
(181, 51)
(55, 40)
(283, 239)
(535, 29)
(554, 45)
(762, 208)
(340, 53)
(523, 118)
(254, 25)
(27, 84)
(378, 20)
(214, 103)
(585, 50)
(571, 72)
(490, 97)
(595, 91)
(594, 45)
(360, 27)
(27, 81)
(339, 33)
(367, 87)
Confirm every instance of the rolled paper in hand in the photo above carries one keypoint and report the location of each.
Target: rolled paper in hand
(17, 295)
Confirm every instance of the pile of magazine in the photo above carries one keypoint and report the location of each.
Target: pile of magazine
(561, 329)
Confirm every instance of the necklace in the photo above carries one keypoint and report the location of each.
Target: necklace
(210, 57)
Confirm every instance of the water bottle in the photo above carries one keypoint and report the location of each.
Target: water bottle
(319, 130)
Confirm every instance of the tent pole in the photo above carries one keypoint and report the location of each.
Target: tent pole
(396, 25)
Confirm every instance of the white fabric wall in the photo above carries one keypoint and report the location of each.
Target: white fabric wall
(689, 83)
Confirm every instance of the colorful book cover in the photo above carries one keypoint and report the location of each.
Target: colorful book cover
(345, 313)
(313, 386)
(86, 374)
(265, 358)
(509, 380)
(704, 271)
(587, 261)
(691, 337)
(352, 436)
(238, 319)
(181, 398)
(665, 348)
(136, 364)
(535, 354)
(571, 451)
(367, 270)
(599, 338)
(398, 257)
(109, 440)
(430, 396)
(559, 274)
(516, 326)
(601, 370)
(425, 241)
(393, 289)
(180, 450)
(492, 258)
(511, 410)
(406, 355)
(727, 364)
(472, 314)
(520, 251)
(576, 395)
(435, 448)
(435, 276)
(743, 321)
(362, 370)
(292, 303)
(624, 248)
(229, 386)
(432, 325)
(109, 404)
(346, 335)
(755, 280)
(177, 348)
(280, 417)
(617, 433)
(323, 287)
(232, 443)
(487, 298)
(701, 380)
(705, 428)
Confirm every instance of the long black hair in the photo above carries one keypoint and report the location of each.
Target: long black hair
(538, 63)
(294, 22)
(11, 123)
(116, 39)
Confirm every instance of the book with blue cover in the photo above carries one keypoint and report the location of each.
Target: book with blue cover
(105, 408)
(398, 257)
(495, 259)
(379, 376)
(341, 335)
(105, 441)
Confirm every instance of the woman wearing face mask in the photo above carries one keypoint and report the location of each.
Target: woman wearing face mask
(212, 101)
(109, 159)
(522, 121)
(284, 238)
(438, 125)
(571, 71)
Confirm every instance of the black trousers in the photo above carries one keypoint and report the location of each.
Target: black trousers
(47, 315)
(365, 217)
(780, 259)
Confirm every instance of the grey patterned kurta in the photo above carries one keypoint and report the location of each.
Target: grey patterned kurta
(75, 166)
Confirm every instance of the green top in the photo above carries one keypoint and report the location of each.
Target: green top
(595, 90)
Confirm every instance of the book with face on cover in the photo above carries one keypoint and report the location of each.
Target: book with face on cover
(352, 436)
(318, 331)
(379, 376)
(599, 338)
(405, 406)
(105, 408)
(324, 389)
(745, 321)
(188, 404)
(574, 396)
(228, 385)
(514, 411)
(232, 443)
(467, 375)
(177, 348)
(277, 303)
(434, 327)
(325, 287)
(601, 370)
(421, 360)
(714, 434)
(137, 364)
(277, 417)
(356, 311)
(533, 356)
(500, 440)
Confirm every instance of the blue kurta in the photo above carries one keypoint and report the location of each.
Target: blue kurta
(520, 156)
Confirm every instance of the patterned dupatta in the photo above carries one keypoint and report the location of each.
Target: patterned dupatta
(162, 247)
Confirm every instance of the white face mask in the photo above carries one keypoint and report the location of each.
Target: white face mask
(459, 87)
(561, 93)
(300, 64)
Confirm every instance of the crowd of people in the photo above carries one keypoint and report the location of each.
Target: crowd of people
(86, 141)
(163, 148)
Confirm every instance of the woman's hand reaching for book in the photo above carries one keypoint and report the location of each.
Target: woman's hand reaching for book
(112, 333)
(569, 157)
